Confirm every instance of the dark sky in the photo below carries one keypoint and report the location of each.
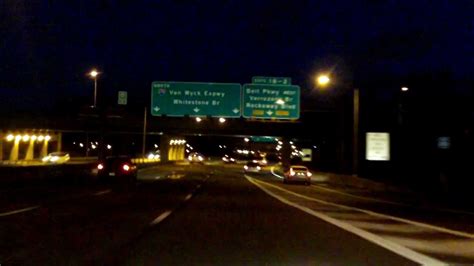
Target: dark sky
(46, 47)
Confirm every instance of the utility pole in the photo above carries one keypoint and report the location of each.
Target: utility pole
(144, 132)
(355, 137)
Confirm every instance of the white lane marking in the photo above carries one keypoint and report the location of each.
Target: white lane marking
(364, 198)
(102, 192)
(188, 196)
(167, 213)
(376, 214)
(393, 202)
(160, 218)
(19, 211)
(382, 201)
(273, 173)
(394, 247)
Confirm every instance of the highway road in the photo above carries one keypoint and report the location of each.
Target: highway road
(218, 215)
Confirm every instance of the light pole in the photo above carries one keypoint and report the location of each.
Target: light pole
(93, 74)
(324, 80)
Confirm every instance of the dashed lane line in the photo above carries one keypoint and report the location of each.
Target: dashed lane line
(19, 211)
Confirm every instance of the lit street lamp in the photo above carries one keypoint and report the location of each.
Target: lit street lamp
(404, 89)
(93, 74)
(323, 80)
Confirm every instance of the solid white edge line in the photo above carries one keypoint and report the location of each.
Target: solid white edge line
(273, 173)
(98, 193)
(161, 217)
(376, 214)
(363, 198)
(188, 196)
(394, 247)
(384, 201)
(394, 203)
(19, 211)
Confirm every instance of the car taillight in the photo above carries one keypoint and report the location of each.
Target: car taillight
(100, 166)
(126, 167)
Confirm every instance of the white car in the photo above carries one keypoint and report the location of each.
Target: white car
(228, 159)
(56, 157)
(195, 158)
(298, 173)
(252, 167)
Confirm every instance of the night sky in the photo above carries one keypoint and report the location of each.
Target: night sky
(47, 47)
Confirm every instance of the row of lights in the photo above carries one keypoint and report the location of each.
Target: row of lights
(26, 138)
(245, 152)
(93, 145)
(221, 120)
(177, 142)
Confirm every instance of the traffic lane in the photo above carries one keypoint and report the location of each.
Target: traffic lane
(446, 218)
(81, 231)
(14, 197)
(232, 222)
(172, 171)
(24, 196)
(440, 242)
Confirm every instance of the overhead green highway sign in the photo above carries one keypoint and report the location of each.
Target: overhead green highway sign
(271, 80)
(195, 99)
(263, 139)
(271, 101)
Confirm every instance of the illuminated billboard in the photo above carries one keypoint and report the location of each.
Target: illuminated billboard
(377, 146)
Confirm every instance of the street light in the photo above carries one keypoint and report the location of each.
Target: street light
(94, 73)
(404, 89)
(10, 137)
(323, 80)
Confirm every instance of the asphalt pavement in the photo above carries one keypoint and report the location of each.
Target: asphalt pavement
(217, 215)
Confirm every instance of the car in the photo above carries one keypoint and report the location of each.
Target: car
(56, 157)
(195, 157)
(261, 160)
(298, 173)
(252, 167)
(117, 168)
(228, 159)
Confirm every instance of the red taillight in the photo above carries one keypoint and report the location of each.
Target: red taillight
(126, 167)
(100, 166)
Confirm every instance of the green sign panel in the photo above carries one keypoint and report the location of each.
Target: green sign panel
(271, 80)
(271, 101)
(195, 99)
(122, 98)
(263, 139)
